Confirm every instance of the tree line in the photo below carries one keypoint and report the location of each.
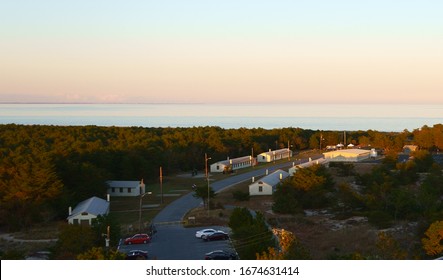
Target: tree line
(44, 168)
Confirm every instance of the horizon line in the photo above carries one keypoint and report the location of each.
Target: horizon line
(219, 103)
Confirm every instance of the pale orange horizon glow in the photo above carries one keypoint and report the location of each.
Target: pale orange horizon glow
(295, 61)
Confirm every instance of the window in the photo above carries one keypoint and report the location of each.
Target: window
(129, 190)
(121, 190)
(113, 189)
(260, 188)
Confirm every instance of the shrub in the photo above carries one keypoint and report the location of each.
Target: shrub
(240, 195)
(380, 219)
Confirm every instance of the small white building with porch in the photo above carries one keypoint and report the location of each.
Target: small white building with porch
(274, 155)
(125, 188)
(88, 210)
(267, 184)
(232, 164)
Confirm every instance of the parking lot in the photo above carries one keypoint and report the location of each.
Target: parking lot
(173, 242)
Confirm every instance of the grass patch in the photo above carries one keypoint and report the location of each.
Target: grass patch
(126, 210)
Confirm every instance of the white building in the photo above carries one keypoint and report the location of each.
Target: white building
(267, 184)
(232, 164)
(88, 210)
(125, 188)
(347, 155)
(274, 155)
(307, 164)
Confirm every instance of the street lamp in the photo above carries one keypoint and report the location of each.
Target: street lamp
(207, 176)
(140, 211)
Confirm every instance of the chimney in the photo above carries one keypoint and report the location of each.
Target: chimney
(70, 210)
(281, 176)
(267, 171)
(253, 179)
(108, 197)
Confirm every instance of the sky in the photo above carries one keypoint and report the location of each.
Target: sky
(226, 51)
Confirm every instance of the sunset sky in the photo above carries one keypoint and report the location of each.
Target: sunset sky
(239, 51)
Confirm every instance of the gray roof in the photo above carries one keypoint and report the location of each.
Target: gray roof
(93, 205)
(123, 184)
(235, 160)
(274, 178)
(276, 152)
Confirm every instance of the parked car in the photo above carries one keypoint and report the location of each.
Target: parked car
(218, 235)
(221, 255)
(40, 255)
(137, 255)
(137, 239)
(203, 232)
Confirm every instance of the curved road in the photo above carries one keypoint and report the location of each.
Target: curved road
(175, 211)
(174, 242)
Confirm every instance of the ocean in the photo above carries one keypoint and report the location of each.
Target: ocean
(351, 117)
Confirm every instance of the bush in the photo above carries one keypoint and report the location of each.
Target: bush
(240, 195)
(344, 169)
(380, 219)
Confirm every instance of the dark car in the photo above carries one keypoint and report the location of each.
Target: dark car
(221, 255)
(137, 239)
(137, 255)
(218, 235)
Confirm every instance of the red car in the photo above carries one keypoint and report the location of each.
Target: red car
(138, 239)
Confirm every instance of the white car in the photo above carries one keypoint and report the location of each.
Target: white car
(203, 232)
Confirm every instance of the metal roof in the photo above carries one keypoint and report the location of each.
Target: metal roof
(348, 151)
(124, 184)
(234, 160)
(93, 205)
(274, 178)
(276, 152)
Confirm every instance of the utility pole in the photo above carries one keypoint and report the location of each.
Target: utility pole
(161, 185)
(321, 139)
(252, 157)
(108, 237)
(289, 152)
(207, 176)
(140, 210)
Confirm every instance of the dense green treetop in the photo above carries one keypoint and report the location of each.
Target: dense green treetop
(44, 168)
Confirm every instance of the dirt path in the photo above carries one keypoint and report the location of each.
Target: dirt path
(11, 238)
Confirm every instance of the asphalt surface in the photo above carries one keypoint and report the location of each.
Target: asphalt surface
(176, 210)
(174, 242)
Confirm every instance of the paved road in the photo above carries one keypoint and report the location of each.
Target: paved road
(176, 210)
(174, 242)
